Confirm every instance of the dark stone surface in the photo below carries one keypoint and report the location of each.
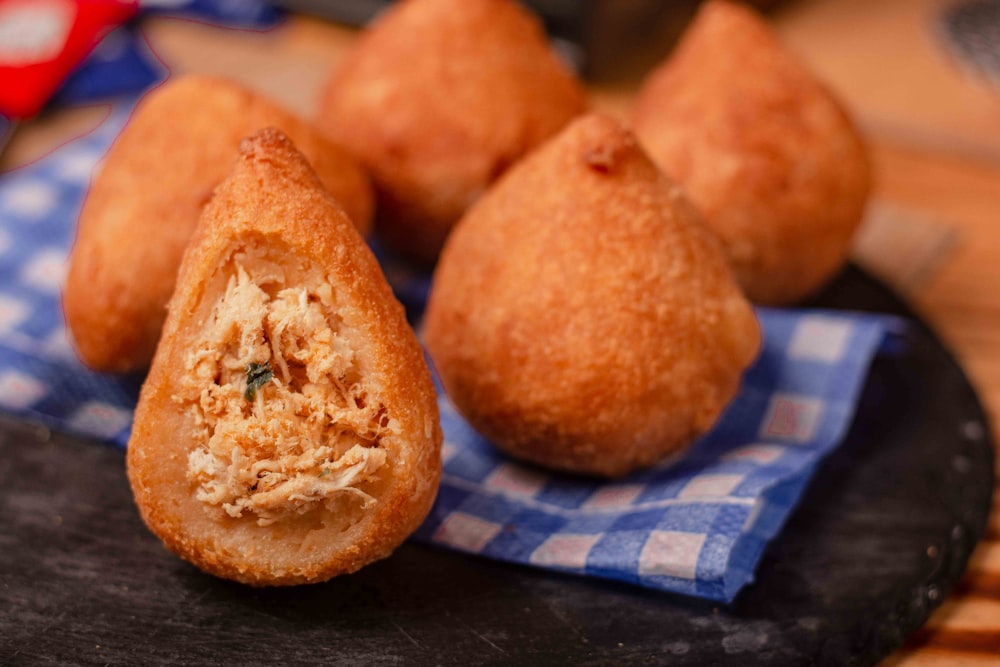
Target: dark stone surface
(884, 531)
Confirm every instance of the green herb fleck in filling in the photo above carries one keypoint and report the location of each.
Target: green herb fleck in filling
(257, 376)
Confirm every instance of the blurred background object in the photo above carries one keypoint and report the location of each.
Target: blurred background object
(75, 52)
(607, 40)
(971, 31)
(41, 43)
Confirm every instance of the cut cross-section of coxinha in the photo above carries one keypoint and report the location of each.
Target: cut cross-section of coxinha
(288, 429)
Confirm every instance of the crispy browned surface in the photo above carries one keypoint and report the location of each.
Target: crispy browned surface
(581, 317)
(761, 147)
(273, 209)
(438, 99)
(144, 205)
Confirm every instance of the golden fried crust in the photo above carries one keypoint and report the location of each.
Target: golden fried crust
(274, 209)
(438, 99)
(143, 206)
(761, 147)
(581, 317)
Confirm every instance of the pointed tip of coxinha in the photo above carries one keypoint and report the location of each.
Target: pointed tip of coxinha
(271, 146)
(272, 195)
(273, 182)
(288, 429)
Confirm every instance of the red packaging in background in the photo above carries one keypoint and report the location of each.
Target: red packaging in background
(42, 41)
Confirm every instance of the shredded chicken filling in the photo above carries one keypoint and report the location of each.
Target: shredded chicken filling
(307, 433)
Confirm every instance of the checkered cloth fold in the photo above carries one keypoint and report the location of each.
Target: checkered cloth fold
(696, 525)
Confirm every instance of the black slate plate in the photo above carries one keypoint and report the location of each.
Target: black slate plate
(884, 531)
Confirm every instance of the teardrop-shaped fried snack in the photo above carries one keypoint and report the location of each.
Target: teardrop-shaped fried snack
(761, 147)
(288, 430)
(438, 99)
(143, 207)
(581, 317)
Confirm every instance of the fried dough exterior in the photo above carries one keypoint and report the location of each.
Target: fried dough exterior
(143, 207)
(438, 99)
(273, 221)
(761, 147)
(581, 317)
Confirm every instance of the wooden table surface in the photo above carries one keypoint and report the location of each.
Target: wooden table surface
(933, 229)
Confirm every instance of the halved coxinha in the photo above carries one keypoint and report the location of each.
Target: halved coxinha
(288, 430)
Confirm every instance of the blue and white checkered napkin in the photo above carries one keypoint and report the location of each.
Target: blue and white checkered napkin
(40, 377)
(697, 526)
